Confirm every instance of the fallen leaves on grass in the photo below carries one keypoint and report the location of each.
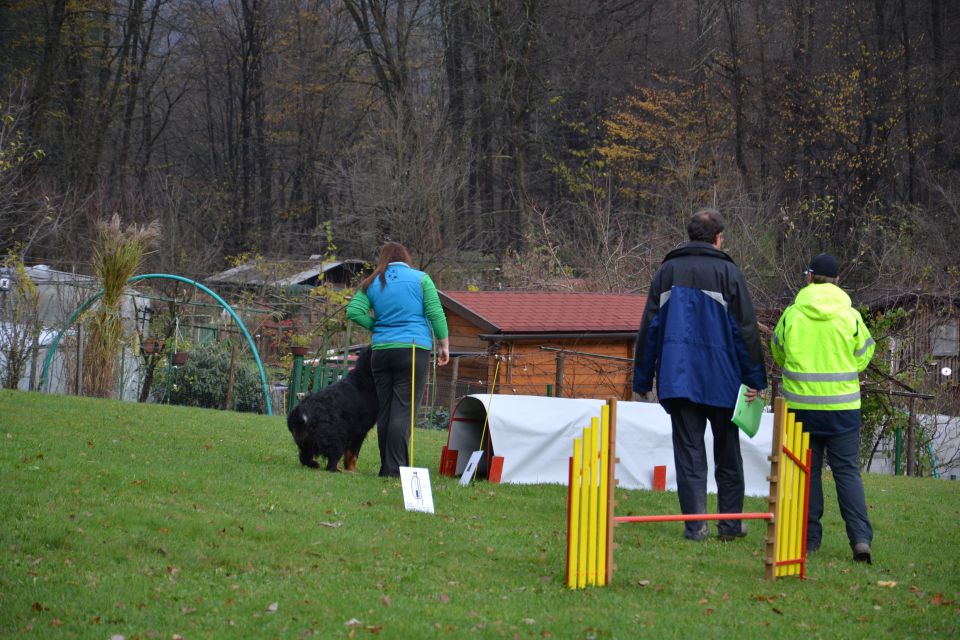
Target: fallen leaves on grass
(886, 583)
(272, 607)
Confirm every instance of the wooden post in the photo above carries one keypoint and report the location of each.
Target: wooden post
(558, 388)
(346, 352)
(79, 376)
(453, 384)
(611, 485)
(232, 374)
(911, 440)
(34, 356)
(770, 542)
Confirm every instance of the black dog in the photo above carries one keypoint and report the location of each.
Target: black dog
(334, 421)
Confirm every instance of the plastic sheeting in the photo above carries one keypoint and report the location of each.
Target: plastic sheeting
(534, 436)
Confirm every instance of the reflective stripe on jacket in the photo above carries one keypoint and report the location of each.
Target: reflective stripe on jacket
(822, 345)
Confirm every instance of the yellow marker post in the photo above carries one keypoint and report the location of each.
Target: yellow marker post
(486, 415)
(413, 395)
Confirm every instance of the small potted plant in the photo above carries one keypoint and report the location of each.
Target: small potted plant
(152, 346)
(300, 345)
(181, 351)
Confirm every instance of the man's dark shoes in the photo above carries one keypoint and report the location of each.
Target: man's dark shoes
(861, 553)
(697, 535)
(730, 537)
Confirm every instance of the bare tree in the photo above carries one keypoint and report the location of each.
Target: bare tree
(20, 325)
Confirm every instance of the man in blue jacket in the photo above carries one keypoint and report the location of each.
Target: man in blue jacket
(699, 339)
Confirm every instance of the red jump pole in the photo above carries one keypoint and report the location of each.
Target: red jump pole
(688, 517)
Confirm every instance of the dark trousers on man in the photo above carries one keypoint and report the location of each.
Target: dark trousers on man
(392, 372)
(843, 453)
(690, 457)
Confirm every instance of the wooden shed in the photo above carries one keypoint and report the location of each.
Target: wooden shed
(564, 344)
(925, 341)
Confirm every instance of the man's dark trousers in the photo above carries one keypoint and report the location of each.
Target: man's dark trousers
(843, 452)
(690, 457)
(391, 373)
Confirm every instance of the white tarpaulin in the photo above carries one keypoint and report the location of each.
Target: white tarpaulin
(534, 436)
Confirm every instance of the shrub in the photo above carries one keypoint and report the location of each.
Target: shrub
(202, 382)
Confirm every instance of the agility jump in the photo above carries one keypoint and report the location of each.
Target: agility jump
(590, 501)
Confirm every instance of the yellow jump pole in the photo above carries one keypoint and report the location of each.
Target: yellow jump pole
(584, 512)
(591, 479)
(797, 497)
(805, 513)
(783, 509)
(786, 493)
(602, 517)
(790, 502)
(802, 505)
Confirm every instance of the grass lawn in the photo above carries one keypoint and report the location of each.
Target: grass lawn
(147, 521)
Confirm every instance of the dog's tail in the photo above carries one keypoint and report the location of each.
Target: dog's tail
(296, 418)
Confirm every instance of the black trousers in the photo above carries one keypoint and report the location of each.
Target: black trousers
(392, 372)
(690, 457)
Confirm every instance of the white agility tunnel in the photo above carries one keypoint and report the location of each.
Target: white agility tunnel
(529, 440)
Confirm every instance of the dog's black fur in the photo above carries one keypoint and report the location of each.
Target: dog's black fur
(334, 421)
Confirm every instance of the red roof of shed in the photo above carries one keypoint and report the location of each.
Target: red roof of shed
(547, 311)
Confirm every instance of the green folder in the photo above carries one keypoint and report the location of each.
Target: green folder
(746, 415)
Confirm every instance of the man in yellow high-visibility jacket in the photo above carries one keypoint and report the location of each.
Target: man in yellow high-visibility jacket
(822, 345)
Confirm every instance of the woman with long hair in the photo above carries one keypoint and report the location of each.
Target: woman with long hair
(405, 308)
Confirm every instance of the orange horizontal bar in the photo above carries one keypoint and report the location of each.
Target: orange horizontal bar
(687, 517)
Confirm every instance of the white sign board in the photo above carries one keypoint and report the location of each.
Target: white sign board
(417, 495)
(471, 468)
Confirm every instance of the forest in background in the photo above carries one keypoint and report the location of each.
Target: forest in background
(523, 143)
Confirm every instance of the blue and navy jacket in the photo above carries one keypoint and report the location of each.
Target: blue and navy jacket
(698, 336)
